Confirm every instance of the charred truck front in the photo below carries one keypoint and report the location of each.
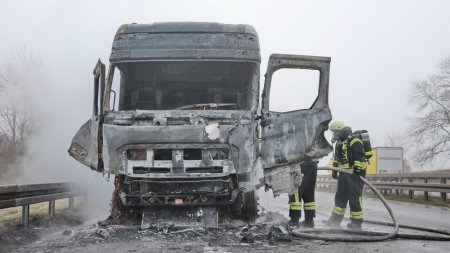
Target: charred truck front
(189, 128)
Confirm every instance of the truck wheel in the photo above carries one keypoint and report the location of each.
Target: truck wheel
(250, 207)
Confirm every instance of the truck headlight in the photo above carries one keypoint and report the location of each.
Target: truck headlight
(137, 154)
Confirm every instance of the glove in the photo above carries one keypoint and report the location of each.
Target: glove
(357, 170)
(334, 174)
(335, 164)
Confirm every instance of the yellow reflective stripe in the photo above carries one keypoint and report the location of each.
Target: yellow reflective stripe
(344, 154)
(360, 164)
(355, 140)
(357, 215)
(296, 205)
(339, 211)
(310, 206)
(295, 208)
(297, 200)
(369, 152)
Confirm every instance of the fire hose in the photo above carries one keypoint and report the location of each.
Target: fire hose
(369, 236)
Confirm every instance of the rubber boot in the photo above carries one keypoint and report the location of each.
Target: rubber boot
(354, 224)
(309, 219)
(294, 222)
(295, 218)
(307, 223)
(333, 221)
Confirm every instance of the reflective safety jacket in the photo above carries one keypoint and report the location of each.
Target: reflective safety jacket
(350, 153)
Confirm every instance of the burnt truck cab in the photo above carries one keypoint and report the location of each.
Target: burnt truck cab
(189, 129)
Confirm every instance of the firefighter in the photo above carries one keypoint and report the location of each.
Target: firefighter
(305, 192)
(349, 155)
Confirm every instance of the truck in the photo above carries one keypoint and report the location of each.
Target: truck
(386, 160)
(190, 134)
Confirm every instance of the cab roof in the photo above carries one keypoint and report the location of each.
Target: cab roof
(185, 41)
(177, 27)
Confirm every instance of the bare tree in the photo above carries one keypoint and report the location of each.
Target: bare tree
(430, 128)
(398, 139)
(395, 139)
(19, 72)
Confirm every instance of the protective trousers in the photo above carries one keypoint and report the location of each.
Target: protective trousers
(305, 192)
(349, 189)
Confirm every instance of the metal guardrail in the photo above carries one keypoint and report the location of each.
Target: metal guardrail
(25, 195)
(410, 182)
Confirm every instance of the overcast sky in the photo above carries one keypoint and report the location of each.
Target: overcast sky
(376, 47)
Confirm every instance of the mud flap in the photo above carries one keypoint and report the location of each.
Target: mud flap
(283, 179)
(180, 217)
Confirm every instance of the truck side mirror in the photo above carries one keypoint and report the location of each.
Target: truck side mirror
(99, 87)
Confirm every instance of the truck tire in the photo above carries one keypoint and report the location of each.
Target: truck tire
(236, 208)
(250, 206)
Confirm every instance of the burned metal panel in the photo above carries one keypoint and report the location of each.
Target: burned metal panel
(178, 191)
(179, 160)
(243, 144)
(195, 27)
(239, 140)
(284, 179)
(186, 40)
(115, 137)
(292, 137)
(84, 146)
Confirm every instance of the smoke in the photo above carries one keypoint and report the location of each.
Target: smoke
(59, 99)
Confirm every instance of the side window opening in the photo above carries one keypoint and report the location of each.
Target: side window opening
(293, 89)
(114, 102)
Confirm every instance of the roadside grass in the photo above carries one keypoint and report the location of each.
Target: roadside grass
(39, 211)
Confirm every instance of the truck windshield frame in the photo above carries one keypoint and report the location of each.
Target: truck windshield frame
(186, 85)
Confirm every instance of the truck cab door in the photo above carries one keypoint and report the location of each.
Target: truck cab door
(86, 146)
(289, 138)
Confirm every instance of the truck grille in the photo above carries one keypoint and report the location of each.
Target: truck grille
(182, 159)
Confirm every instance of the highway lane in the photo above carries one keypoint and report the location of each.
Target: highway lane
(406, 213)
(83, 238)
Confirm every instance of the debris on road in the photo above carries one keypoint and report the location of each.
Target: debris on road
(279, 233)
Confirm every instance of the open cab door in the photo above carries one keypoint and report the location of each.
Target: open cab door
(86, 144)
(289, 138)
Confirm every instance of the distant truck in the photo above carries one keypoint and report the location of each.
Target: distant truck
(386, 160)
(190, 130)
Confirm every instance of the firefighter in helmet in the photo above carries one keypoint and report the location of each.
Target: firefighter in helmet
(349, 154)
(306, 193)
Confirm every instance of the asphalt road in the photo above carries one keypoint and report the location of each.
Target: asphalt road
(406, 213)
(85, 237)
